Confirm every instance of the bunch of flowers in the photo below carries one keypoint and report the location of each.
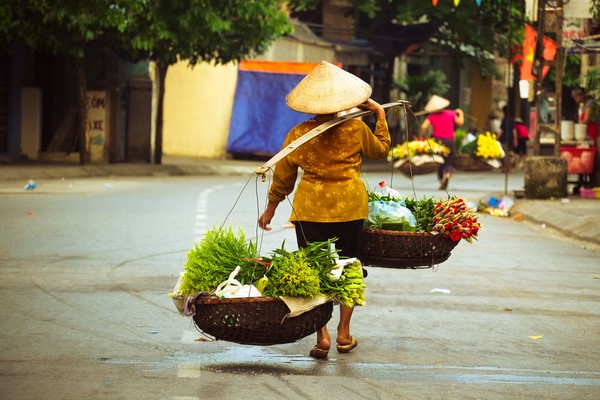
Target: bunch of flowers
(485, 146)
(418, 148)
(455, 220)
(488, 146)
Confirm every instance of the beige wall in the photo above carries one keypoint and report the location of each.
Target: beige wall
(197, 109)
(482, 101)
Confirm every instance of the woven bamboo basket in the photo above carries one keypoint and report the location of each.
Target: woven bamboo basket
(409, 169)
(419, 165)
(259, 321)
(398, 249)
(465, 162)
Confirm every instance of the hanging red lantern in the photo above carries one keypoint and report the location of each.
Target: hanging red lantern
(434, 2)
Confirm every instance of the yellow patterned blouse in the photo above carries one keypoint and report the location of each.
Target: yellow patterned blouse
(330, 188)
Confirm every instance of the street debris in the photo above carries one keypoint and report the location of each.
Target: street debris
(439, 290)
(497, 207)
(30, 185)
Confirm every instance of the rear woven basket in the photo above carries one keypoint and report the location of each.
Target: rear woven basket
(408, 168)
(257, 321)
(465, 162)
(397, 249)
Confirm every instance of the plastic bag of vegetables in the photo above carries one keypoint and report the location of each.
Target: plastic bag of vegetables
(391, 215)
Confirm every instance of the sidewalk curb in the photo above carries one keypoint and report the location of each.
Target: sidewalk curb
(575, 218)
(24, 173)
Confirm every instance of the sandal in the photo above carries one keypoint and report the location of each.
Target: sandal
(318, 353)
(345, 348)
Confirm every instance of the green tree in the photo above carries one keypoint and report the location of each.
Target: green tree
(595, 11)
(61, 27)
(164, 31)
(419, 88)
(468, 32)
(216, 31)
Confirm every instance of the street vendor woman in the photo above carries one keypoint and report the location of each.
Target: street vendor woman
(331, 199)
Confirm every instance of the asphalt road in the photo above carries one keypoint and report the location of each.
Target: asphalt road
(86, 265)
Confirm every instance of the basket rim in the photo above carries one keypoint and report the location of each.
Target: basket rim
(400, 233)
(238, 300)
(235, 300)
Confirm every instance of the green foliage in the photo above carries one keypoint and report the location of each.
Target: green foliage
(591, 82)
(296, 274)
(349, 289)
(571, 73)
(300, 273)
(423, 210)
(202, 30)
(459, 136)
(469, 148)
(59, 27)
(212, 260)
(196, 30)
(292, 275)
(595, 11)
(467, 32)
(419, 88)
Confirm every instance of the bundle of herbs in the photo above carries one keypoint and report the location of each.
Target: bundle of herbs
(299, 273)
(211, 260)
(306, 272)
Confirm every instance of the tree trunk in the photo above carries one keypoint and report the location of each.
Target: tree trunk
(161, 67)
(82, 114)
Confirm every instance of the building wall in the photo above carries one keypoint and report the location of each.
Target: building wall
(197, 109)
(289, 49)
(481, 102)
(199, 101)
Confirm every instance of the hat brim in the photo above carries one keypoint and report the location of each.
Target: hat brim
(328, 89)
(436, 103)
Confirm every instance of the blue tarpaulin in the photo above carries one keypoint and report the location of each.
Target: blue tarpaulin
(261, 119)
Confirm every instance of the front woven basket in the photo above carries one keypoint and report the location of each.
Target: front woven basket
(398, 249)
(260, 321)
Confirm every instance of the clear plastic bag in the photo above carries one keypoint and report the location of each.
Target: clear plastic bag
(232, 288)
(393, 215)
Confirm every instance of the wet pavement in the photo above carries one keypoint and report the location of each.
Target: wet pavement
(573, 216)
(83, 301)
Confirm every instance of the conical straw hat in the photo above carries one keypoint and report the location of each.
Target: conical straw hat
(436, 103)
(328, 89)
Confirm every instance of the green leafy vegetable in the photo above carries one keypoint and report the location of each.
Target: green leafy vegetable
(305, 272)
(423, 210)
(212, 260)
(349, 289)
(291, 275)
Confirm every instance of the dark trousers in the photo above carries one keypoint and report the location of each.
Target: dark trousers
(448, 166)
(348, 234)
